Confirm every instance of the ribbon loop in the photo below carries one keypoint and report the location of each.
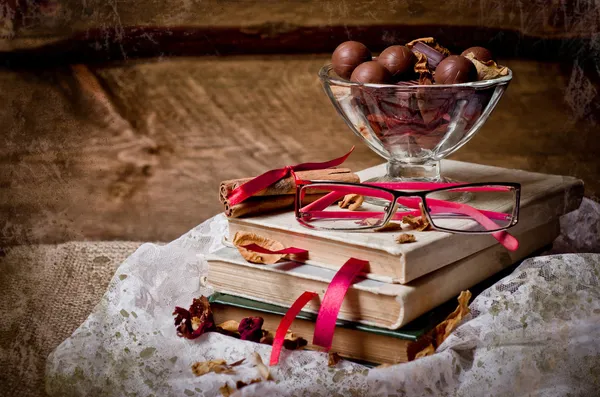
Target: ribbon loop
(286, 322)
(332, 301)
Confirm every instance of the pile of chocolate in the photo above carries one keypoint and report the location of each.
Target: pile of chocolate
(422, 61)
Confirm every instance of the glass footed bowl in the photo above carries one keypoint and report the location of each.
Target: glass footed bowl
(413, 126)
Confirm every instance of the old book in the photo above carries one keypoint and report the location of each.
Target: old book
(352, 340)
(543, 199)
(369, 302)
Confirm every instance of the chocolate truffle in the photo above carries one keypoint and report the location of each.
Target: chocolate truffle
(479, 53)
(347, 56)
(371, 72)
(398, 60)
(455, 69)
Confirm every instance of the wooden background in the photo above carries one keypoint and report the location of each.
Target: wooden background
(120, 119)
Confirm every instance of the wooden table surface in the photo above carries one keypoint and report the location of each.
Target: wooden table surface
(136, 150)
(95, 149)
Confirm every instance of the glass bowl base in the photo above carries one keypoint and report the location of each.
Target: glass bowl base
(456, 197)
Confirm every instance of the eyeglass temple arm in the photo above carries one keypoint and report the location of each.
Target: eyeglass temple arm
(434, 186)
(503, 237)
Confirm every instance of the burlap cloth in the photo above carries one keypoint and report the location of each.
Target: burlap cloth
(47, 292)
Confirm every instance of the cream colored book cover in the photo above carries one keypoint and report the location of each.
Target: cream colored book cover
(543, 199)
(368, 301)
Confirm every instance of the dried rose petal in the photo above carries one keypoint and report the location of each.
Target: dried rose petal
(389, 227)
(197, 320)
(369, 221)
(251, 329)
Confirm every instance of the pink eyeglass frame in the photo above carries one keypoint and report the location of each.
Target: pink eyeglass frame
(412, 199)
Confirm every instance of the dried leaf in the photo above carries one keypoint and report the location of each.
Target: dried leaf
(428, 351)
(352, 201)
(229, 325)
(262, 368)
(412, 221)
(218, 366)
(405, 238)
(226, 390)
(238, 362)
(292, 341)
(424, 221)
(267, 337)
(424, 227)
(389, 227)
(240, 384)
(487, 70)
(422, 68)
(421, 64)
(333, 359)
(445, 328)
(246, 238)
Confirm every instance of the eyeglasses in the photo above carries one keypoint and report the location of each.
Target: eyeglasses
(452, 207)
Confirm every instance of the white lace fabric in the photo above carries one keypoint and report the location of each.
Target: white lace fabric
(534, 333)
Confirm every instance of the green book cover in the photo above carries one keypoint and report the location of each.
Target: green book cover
(412, 331)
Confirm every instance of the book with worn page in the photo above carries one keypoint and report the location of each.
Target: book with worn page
(354, 341)
(543, 199)
(368, 302)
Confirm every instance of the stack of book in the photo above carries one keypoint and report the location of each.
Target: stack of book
(408, 288)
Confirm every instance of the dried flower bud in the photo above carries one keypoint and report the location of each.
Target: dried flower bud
(251, 329)
(197, 320)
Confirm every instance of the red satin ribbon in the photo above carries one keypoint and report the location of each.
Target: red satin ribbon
(332, 301)
(261, 250)
(286, 322)
(265, 180)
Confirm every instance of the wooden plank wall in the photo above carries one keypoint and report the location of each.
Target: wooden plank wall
(97, 147)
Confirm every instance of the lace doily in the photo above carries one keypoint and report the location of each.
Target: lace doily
(536, 332)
